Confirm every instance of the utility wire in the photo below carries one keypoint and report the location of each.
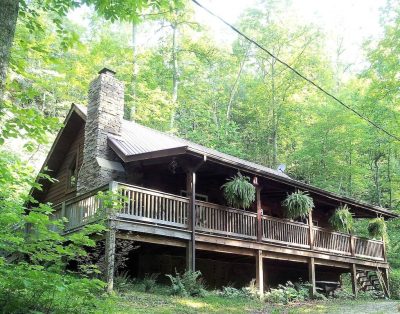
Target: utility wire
(360, 115)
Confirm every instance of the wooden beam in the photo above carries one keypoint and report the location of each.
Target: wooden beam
(110, 256)
(311, 277)
(310, 230)
(270, 247)
(260, 272)
(211, 247)
(142, 227)
(386, 282)
(191, 247)
(259, 210)
(150, 238)
(352, 247)
(354, 279)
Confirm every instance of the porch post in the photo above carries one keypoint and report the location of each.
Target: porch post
(354, 279)
(311, 276)
(386, 281)
(110, 255)
(191, 248)
(259, 209)
(384, 250)
(352, 248)
(310, 230)
(109, 248)
(260, 272)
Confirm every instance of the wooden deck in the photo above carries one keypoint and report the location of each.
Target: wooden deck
(145, 207)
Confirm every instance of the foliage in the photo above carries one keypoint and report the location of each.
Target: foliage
(149, 281)
(288, 293)
(189, 283)
(394, 286)
(239, 192)
(298, 205)
(123, 282)
(93, 262)
(342, 219)
(28, 288)
(249, 292)
(377, 228)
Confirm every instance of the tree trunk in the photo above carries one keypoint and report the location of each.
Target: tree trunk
(274, 134)
(8, 21)
(134, 71)
(175, 73)
(236, 83)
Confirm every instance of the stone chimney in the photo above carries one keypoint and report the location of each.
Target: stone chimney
(104, 115)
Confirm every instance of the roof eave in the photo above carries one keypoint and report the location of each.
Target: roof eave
(298, 184)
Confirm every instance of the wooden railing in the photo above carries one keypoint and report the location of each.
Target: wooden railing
(150, 206)
(153, 206)
(218, 219)
(285, 232)
(368, 248)
(330, 241)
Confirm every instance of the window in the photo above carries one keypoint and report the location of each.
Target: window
(73, 173)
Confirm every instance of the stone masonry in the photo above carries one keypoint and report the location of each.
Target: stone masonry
(104, 115)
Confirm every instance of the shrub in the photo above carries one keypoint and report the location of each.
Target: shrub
(239, 192)
(123, 282)
(149, 281)
(394, 286)
(377, 228)
(342, 219)
(187, 284)
(288, 293)
(25, 289)
(298, 205)
(233, 293)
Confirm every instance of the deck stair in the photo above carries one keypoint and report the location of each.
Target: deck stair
(372, 281)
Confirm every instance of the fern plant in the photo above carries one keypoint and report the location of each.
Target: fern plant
(377, 228)
(342, 219)
(239, 192)
(298, 205)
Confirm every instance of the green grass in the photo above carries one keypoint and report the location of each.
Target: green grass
(161, 302)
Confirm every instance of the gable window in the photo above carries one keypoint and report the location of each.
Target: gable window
(73, 173)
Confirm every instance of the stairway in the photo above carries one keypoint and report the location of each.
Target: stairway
(372, 281)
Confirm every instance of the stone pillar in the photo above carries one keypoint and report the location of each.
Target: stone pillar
(104, 116)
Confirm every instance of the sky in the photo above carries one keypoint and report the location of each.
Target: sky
(354, 20)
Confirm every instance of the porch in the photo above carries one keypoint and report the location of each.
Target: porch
(150, 207)
(156, 217)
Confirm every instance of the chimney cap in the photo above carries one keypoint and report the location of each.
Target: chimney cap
(106, 70)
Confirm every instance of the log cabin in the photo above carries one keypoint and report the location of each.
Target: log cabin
(174, 210)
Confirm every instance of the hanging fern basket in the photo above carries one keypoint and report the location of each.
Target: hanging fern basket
(298, 205)
(342, 219)
(377, 228)
(239, 192)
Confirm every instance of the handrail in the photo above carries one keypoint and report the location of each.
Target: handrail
(226, 208)
(151, 206)
(154, 192)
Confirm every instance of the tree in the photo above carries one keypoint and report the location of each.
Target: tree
(113, 10)
(8, 21)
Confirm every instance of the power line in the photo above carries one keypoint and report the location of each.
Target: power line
(360, 115)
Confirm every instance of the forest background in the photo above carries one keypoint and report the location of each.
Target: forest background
(225, 94)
